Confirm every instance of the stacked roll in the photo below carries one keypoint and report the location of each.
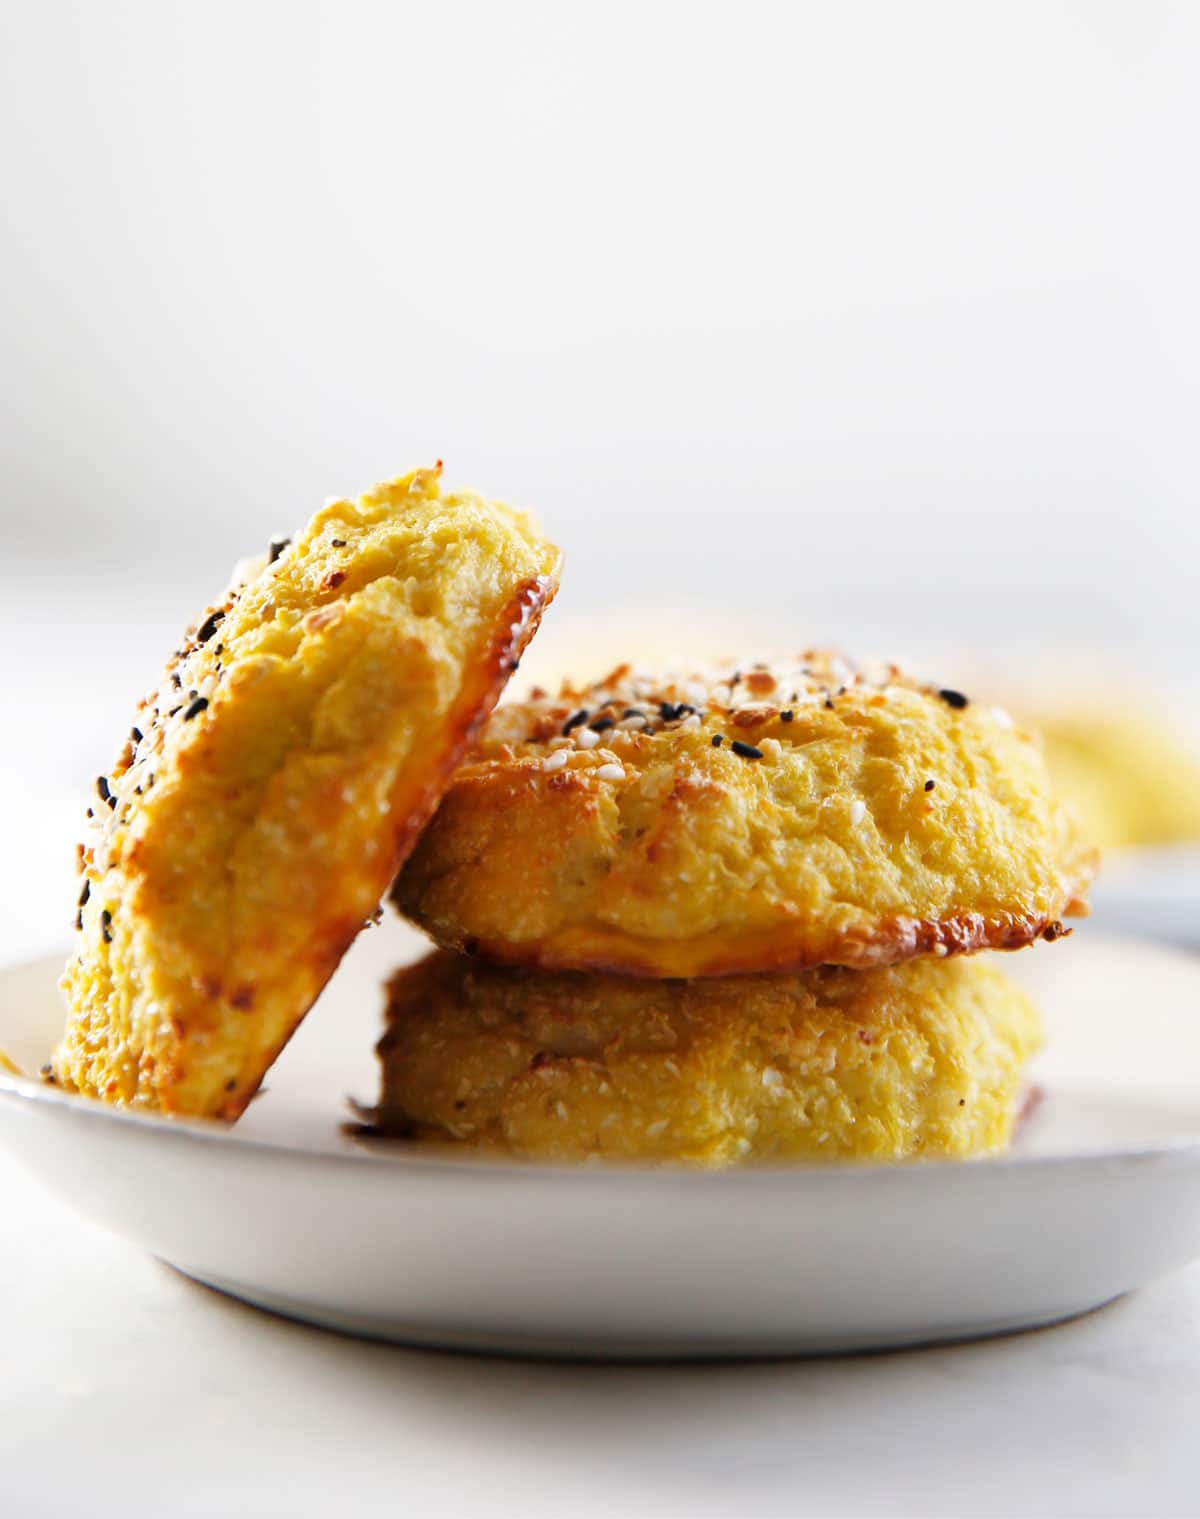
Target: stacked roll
(730, 915)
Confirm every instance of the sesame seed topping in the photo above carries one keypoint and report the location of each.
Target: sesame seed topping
(787, 715)
(610, 772)
(747, 751)
(576, 720)
(103, 792)
(858, 811)
(954, 699)
(195, 708)
(601, 724)
(929, 785)
(717, 740)
(276, 547)
(106, 925)
(209, 626)
(337, 543)
(136, 735)
(586, 738)
(772, 1079)
(555, 761)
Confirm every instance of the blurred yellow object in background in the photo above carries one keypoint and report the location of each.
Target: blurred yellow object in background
(1132, 779)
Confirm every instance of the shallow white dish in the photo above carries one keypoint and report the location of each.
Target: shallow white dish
(288, 1212)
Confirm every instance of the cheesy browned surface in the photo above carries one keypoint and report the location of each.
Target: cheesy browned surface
(917, 1060)
(271, 787)
(747, 819)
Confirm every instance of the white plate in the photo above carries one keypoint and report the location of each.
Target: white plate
(1102, 1194)
(1155, 892)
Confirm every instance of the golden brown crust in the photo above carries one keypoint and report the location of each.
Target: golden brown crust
(299, 740)
(923, 1059)
(701, 826)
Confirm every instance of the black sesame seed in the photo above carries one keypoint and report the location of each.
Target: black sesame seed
(209, 626)
(747, 751)
(78, 920)
(106, 925)
(176, 681)
(195, 708)
(717, 740)
(737, 676)
(275, 548)
(601, 724)
(136, 735)
(929, 785)
(575, 719)
(954, 699)
(633, 712)
(338, 543)
(102, 790)
(786, 716)
(829, 703)
(85, 893)
(669, 712)
(90, 813)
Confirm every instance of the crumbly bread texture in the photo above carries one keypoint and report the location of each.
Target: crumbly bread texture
(747, 819)
(923, 1059)
(299, 739)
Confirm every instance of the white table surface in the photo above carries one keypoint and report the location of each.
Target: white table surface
(126, 1390)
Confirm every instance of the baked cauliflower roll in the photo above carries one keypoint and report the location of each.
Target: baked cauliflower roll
(272, 786)
(922, 1059)
(744, 820)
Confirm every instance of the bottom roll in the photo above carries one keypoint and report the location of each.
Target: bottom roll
(924, 1059)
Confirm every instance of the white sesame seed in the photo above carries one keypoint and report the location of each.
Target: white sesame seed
(772, 750)
(772, 1079)
(561, 1109)
(669, 1065)
(637, 721)
(1001, 717)
(690, 723)
(610, 773)
(858, 811)
(561, 742)
(586, 738)
(555, 761)
(655, 1129)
